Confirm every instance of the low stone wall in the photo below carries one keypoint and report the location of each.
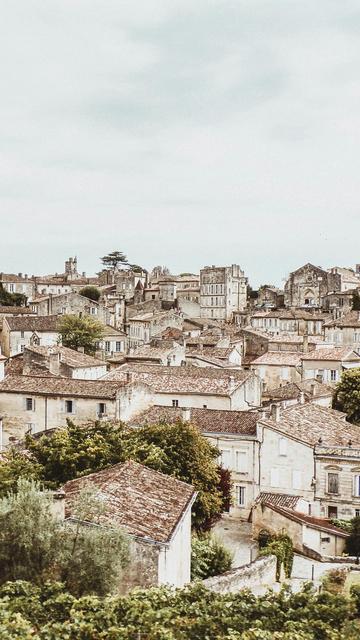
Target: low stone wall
(260, 573)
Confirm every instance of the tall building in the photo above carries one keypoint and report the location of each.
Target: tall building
(222, 291)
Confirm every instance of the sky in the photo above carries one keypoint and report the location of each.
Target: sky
(182, 133)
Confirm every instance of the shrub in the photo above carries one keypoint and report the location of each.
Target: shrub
(209, 557)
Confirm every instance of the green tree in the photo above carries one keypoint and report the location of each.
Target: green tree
(14, 465)
(36, 545)
(76, 450)
(113, 259)
(91, 292)
(347, 395)
(78, 332)
(11, 299)
(209, 557)
(353, 541)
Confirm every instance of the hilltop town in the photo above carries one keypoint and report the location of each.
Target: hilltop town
(254, 372)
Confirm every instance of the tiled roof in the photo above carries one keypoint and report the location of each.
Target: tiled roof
(279, 358)
(291, 314)
(311, 389)
(72, 358)
(108, 331)
(57, 386)
(332, 353)
(351, 319)
(146, 503)
(313, 424)
(33, 323)
(295, 338)
(206, 420)
(279, 499)
(21, 311)
(189, 379)
(199, 355)
(323, 524)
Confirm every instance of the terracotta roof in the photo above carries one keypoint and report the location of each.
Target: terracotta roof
(146, 503)
(291, 314)
(56, 386)
(313, 424)
(323, 524)
(279, 358)
(279, 499)
(295, 338)
(16, 311)
(108, 330)
(311, 389)
(351, 319)
(70, 357)
(33, 323)
(206, 420)
(189, 379)
(199, 355)
(332, 353)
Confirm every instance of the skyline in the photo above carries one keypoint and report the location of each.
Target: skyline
(184, 135)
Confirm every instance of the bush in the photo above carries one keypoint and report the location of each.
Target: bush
(209, 557)
(281, 546)
(334, 580)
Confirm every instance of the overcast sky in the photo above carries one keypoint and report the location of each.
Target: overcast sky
(182, 132)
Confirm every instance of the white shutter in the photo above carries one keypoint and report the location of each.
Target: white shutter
(241, 461)
(296, 479)
(274, 477)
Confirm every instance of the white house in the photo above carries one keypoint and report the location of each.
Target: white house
(155, 511)
(20, 331)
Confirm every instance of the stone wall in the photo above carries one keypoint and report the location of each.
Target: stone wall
(257, 575)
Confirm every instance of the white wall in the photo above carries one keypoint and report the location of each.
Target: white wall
(174, 561)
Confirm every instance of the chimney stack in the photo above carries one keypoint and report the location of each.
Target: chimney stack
(275, 412)
(186, 414)
(81, 349)
(302, 398)
(313, 389)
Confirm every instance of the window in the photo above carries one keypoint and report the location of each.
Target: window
(22, 335)
(357, 486)
(30, 404)
(274, 477)
(282, 446)
(101, 409)
(241, 461)
(333, 483)
(22, 348)
(69, 406)
(11, 288)
(240, 495)
(296, 479)
(107, 346)
(175, 403)
(118, 346)
(333, 375)
(225, 458)
(204, 406)
(357, 513)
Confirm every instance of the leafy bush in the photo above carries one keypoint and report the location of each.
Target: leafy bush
(281, 546)
(334, 580)
(342, 524)
(209, 557)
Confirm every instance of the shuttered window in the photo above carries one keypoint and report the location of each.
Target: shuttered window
(333, 483)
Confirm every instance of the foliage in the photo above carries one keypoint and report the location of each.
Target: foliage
(178, 450)
(78, 332)
(356, 301)
(14, 465)
(8, 299)
(192, 613)
(334, 580)
(91, 292)
(281, 546)
(347, 395)
(209, 557)
(353, 541)
(342, 524)
(159, 272)
(355, 593)
(36, 545)
(225, 487)
(113, 259)
(77, 451)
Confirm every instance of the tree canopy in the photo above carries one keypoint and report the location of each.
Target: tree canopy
(8, 299)
(178, 450)
(113, 259)
(91, 292)
(356, 301)
(36, 545)
(78, 332)
(347, 395)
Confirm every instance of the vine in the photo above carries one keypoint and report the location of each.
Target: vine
(281, 546)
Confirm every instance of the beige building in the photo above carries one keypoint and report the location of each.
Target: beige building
(306, 286)
(196, 387)
(233, 433)
(19, 332)
(71, 303)
(344, 331)
(338, 479)
(327, 364)
(223, 291)
(162, 352)
(146, 326)
(276, 368)
(154, 510)
(298, 321)
(61, 361)
(36, 403)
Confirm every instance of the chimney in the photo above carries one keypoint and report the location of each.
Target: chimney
(54, 362)
(313, 389)
(186, 414)
(81, 349)
(306, 343)
(302, 398)
(58, 504)
(231, 382)
(275, 412)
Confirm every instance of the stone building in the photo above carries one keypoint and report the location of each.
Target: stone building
(21, 331)
(223, 291)
(275, 368)
(154, 510)
(327, 364)
(270, 297)
(280, 321)
(344, 331)
(71, 303)
(306, 286)
(61, 361)
(40, 402)
(144, 327)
